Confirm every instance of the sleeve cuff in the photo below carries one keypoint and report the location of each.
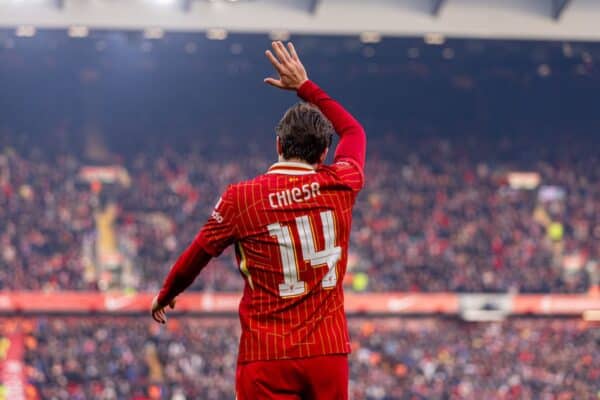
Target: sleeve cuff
(161, 298)
(307, 91)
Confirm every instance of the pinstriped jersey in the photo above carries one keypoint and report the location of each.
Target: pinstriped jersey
(291, 228)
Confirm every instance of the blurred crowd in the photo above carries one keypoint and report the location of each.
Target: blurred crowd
(444, 216)
(134, 358)
(130, 358)
(44, 216)
(435, 215)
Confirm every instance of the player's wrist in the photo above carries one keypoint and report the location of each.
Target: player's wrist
(302, 82)
(307, 91)
(301, 85)
(160, 299)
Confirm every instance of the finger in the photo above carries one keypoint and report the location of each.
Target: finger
(163, 316)
(292, 50)
(156, 318)
(284, 50)
(281, 52)
(172, 304)
(274, 82)
(276, 64)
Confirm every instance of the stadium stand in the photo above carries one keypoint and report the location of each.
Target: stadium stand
(482, 185)
(128, 357)
(107, 203)
(434, 219)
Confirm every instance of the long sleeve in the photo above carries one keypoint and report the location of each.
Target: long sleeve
(213, 238)
(184, 272)
(353, 140)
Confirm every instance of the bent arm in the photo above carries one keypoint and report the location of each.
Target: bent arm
(184, 272)
(353, 140)
(213, 238)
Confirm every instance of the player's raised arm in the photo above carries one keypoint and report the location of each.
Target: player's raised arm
(293, 76)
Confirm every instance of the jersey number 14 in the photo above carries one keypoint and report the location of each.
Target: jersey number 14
(329, 256)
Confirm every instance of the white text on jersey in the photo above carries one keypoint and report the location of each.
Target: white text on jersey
(294, 195)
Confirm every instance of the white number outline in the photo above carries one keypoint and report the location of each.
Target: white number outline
(292, 286)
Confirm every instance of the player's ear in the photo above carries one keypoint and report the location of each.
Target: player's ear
(323, 155)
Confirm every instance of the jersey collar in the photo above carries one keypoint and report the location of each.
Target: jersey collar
(291, 168)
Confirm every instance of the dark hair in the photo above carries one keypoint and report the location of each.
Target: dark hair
(304, 133)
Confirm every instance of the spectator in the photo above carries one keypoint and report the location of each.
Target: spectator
(128, 357)
(432, 217)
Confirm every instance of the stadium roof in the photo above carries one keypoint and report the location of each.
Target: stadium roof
(521, 19)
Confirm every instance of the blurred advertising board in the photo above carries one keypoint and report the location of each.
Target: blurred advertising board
(365, 303)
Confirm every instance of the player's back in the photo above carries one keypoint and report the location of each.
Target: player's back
(292, 231)
(290, 228)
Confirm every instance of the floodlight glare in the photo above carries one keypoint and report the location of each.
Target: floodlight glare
(282, 35)
(25, 31)
(370, 37)
(216, 34)
(154, 33)
(434, 39)
(78, 31)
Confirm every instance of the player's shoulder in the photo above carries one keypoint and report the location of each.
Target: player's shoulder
(345, 171)
(248, 184)
(239, 191)
(345, 165)
(280, 173)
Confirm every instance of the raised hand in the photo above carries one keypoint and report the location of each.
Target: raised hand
(287, 64)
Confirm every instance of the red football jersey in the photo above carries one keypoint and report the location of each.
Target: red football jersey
(291, 228)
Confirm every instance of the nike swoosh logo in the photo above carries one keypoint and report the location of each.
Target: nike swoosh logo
(116, 303)
(400, 304)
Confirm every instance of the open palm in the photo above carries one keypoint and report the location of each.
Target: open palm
(287, 64)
